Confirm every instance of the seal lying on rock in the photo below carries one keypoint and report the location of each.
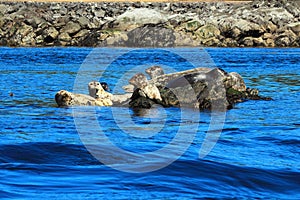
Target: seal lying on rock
(203, 88)
(155, 71)
(160, 79)
(65, 98)
(96, 90)
(163, 79)
(98, 97)
(99, 91)
(146, 89)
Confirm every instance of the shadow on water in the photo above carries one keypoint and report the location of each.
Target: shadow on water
(67, 167)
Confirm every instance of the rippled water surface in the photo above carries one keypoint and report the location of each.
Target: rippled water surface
(77, 153)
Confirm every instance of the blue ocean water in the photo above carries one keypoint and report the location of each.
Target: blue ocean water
(69, 153)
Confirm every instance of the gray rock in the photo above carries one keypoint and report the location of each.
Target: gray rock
(295, 27)
(24, 29)
(138, 17)
(207, 31)
(99, 13)
(51, 34)
(65, 37)
(4, 8)
(70, 28)
(181, 24)
(82, 33)
(83, 21)
(29, 40)
(39, 39)
(151, 36)
(34, 21)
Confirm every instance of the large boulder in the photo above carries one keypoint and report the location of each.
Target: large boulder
(202, 88)
(71, 28)
(207, 31)
(138, 17)
(295, 27)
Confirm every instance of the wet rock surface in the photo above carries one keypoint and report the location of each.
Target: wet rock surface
(272, 23)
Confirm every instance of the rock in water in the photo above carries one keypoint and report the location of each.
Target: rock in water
(203, 88)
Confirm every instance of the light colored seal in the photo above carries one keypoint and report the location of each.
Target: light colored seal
(96, 90)
(155, 71)
(147, 89)
(65, 98)
(99, 91)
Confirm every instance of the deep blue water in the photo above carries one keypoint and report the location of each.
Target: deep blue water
(43, 154)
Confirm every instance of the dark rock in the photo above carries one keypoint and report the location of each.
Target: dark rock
(212, 90)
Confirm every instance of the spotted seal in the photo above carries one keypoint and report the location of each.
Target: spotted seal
(155, 71)
(146, 89)
(96, 90)
(65, 98)
(213, 75)
(163, 79)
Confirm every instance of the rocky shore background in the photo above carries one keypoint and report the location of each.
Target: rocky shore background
(261, 23)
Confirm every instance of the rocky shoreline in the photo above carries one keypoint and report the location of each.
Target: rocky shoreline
(267, 23)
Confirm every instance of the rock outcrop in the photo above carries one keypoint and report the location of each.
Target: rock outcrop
(201, 88)
(266, 23)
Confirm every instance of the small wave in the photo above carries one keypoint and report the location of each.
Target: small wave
(220, 178)
(46, 153)
(288, 142)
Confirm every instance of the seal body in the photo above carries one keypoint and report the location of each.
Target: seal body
(163, 79)
(155, 71)
(96, 91)
(146, 89)
(65, 98)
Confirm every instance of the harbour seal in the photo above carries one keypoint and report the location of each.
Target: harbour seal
(65, 98)
(164, 79)
(213, 75)
(97, 91)
(146, 89)
(155, 71)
